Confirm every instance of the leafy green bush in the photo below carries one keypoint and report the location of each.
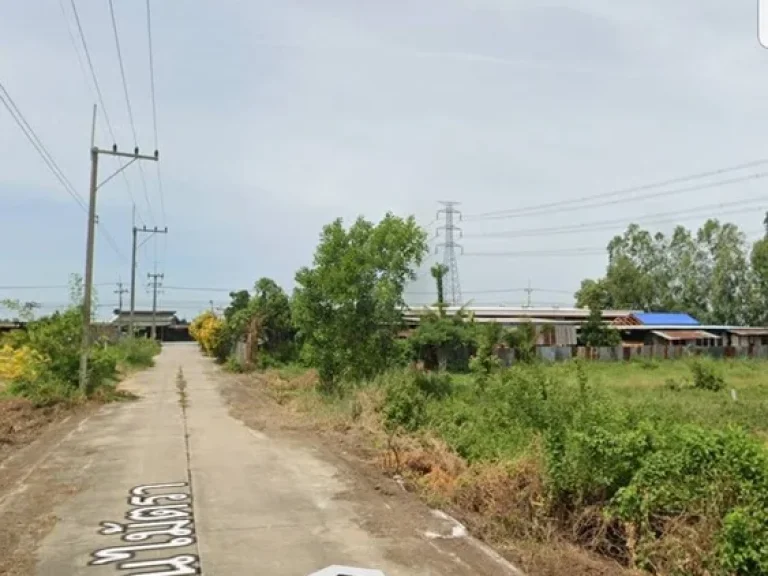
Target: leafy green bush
(436, 385)
(706, 375)
(45, 390)
(102, 366)
(234, 365)
(694, 472)
(137, 352)
(523, 341)
(405, 403)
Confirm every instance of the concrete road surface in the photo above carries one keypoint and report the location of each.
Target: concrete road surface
(171, 484)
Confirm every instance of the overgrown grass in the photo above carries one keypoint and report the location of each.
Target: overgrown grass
(135, 353)
(630, 460)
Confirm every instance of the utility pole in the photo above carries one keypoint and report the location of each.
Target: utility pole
(154, 277)
(95, 185)
(120, 291)
(449, 250)
(528, 290)
(151, 232)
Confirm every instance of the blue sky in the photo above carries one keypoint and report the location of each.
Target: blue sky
(276, 117)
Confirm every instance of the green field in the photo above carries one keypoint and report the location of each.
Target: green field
(664, 389)
(629, 459)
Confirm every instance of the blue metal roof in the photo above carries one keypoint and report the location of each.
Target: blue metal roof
(666, 319)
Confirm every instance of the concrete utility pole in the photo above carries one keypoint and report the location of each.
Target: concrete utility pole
(528, 290)
(151, 232)
(88, 288)
(120, 291)
(154, 278)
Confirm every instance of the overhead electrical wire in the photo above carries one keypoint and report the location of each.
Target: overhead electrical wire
(128, 103)
(104, 110)
(150, 45)
(661, 194)
(654, 218)
(40, 147)
(525, 210)
(194, 289)
(497, 291)
(122, 71)
(29, 132)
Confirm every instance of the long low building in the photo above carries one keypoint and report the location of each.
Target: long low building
(636, 328)
(554, 326)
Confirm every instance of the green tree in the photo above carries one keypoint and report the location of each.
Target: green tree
(438, 272)
(710, 274)
(24, 311)
(272, 309)
(442, 341)
(348, 305)
(594, 331)
(239, 302)
(523, 341)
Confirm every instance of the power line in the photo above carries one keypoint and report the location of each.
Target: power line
(151, 69)
(663, 183)
(104, 107)
(497, 291)
(646, 219)
(122, 71)
(154, 105)
(93, 71)
(73, 42)
(194, 289)
(663, 193)
(585, 251)
(39, 146)
(46, 286)
(543, 253)
(29, 132)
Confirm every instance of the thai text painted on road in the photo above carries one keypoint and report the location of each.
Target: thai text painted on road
(158, 520)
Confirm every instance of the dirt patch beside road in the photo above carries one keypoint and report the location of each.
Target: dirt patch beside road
(29, 437)
(265, 403)
(21, 422)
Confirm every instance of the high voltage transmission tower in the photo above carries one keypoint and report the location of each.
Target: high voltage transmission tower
(449, 246)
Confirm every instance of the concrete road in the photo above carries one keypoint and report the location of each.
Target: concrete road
(171, 484)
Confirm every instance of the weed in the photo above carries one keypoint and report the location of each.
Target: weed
(706, 375)
(181, 387)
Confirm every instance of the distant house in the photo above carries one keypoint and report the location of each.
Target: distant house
(682, 338)
(746, 337)
(667, 329)
(168, 327)
(665, 319)
(554, 326)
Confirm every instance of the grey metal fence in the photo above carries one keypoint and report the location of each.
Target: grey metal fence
(622, 353)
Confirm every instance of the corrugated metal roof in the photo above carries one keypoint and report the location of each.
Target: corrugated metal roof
(685, 335)
(666, 319)
(749, 331)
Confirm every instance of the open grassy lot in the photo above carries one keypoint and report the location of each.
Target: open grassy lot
(657, 465)
(664, 389)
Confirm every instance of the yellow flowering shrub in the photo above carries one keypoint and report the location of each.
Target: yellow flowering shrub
(21, 363)
(206, 330)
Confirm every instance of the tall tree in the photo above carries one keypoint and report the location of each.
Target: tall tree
(709, 274)
(348, 305)
(759, 263)
(438, 272)
(271, 307)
